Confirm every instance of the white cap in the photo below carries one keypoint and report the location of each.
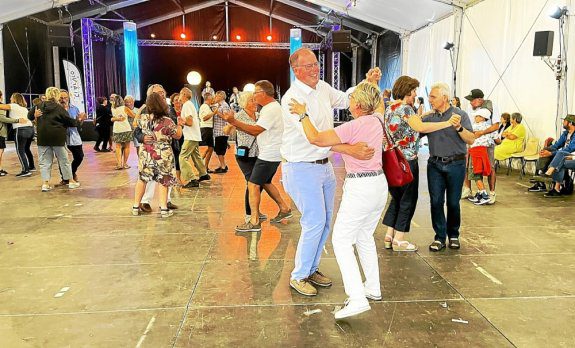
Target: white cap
(485, 113)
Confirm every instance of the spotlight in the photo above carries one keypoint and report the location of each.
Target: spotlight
(238, 37)
(153, 36)
(215, 37)
(194, 78)
(448, 46)
(558, 12)
(269, 38)
(183, 36)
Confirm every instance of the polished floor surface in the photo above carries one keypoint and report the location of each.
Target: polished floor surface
(77, 270)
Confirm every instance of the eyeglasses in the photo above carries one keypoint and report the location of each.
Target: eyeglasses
(308, 66)
(256, 92)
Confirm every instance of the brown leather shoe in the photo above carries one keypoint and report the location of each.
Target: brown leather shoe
(303, 287)
(319, 279)
(172, 206)
(145, 208)
(62, 183)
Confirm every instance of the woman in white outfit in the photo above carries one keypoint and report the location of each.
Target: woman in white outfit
(122, 132)
(364, 196)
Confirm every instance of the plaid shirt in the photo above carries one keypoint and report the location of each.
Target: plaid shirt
(220, 123)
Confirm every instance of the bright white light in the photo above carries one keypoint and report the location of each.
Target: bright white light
(250, 87)
(194, 78)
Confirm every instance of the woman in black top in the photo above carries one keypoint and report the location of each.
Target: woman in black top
(103, 123)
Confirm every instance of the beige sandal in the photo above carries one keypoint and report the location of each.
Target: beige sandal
(388, 241)
(403, 245)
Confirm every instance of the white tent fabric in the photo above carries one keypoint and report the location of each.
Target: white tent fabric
(496, 56)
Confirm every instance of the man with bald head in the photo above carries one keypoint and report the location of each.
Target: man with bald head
(308, 176)
(191, 147)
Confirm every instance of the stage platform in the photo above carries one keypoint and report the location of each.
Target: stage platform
(76, 269)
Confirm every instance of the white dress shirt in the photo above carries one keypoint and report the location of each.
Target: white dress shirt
(191, 132)
(320, 103)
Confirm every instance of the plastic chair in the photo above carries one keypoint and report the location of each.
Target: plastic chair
(530, 154)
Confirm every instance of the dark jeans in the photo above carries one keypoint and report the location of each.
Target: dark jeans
(403, 202)
(77, 158)
(445, 180)
(247, 166)
(103, 136)
(24, 137)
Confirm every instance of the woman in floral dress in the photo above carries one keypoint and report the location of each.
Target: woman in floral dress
(156, 157)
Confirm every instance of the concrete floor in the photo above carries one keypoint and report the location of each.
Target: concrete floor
(191, 281)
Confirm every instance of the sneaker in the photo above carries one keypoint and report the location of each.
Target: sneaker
(282, 216)
(23, 174)
(249, 227)
(97, 149)
(352, 307)
(492, 196)
(166, 213)
(467, 193)
(135, 211)
(3, 172)
(303, 287)
(46, 188)
(538, 187)
(210, 171)
(192, 184)
(73, 185)
(221, 170)
(483, 198)
(145, 207)
(552, 194)
(475, 198)
(373, 297)
(454, 243)
(317, 278)
(32, 169)
(204, 177)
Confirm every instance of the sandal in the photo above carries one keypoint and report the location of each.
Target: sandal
(437, 246)
(403, 245)
(126, 166)
(388, 241)
(454, 243)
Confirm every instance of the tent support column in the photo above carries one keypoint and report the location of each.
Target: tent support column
(2, 81)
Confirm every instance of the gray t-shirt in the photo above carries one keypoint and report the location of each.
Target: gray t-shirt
(447, 142)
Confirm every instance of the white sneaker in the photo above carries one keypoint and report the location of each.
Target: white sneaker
(466, 193)
(46, 188)
(373, 297)
(492, 196)
(352, 308)
(73, 185)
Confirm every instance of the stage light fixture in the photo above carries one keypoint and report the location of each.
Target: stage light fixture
(238, 37)
(250, 87)
(215, 37)
(269, 38)
(183, 36)
(153, 36)
(194, 78)
(558, 12)
(448, 46)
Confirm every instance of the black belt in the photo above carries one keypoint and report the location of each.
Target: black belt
(447, 159)
(321, 161)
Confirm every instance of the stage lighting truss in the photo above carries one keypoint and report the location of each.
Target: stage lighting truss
(223, 44)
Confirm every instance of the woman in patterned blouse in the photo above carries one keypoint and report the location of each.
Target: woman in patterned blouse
(405, 125)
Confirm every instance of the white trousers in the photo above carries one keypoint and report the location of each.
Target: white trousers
(151, 190)
(361, 206)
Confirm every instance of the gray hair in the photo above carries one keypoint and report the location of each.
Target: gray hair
(367, 95)
(517, 117)
(129, 97)
(243, 98)
(151, 88)
(443, 88)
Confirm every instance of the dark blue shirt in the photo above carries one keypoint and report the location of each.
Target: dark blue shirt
(447, 142)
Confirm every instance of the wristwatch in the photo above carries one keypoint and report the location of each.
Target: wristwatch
(460, 129)
(302, 116)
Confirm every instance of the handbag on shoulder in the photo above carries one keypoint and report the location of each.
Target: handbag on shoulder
(243, 152)
(394, 165)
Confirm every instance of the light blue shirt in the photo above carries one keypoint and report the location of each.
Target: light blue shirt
(73, 136)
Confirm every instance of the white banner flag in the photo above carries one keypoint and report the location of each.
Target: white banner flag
(75, 89)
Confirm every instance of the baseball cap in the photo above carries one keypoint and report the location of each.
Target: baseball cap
(475, 93)
(570, 118)
(481, 112)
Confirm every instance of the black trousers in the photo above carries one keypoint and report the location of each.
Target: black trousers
(103, 136)
(403, 202)
(77, 156)
(247, 166)
(24, 137)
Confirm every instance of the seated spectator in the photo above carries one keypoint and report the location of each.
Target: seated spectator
(514, 139)
(552, 158)
(478, 163)
(505, 123)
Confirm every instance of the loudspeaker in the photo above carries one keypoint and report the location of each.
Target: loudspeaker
(59, 35)
(543, 45)
(340, 40)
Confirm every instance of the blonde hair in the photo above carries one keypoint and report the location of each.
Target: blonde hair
(243, 98)
(52, 93)
(19, 99)
(367, 96)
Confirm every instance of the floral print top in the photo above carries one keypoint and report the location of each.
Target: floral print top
(405, 137)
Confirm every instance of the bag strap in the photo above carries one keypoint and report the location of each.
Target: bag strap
(386, 135)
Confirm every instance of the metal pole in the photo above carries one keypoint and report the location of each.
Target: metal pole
(227, 23)
(2, 81)
(354, 66)
(56, 61)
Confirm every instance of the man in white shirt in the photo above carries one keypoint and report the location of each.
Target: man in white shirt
(308, 176)
(477, 102)
(191, 146)
(207, 128)
(268, 131)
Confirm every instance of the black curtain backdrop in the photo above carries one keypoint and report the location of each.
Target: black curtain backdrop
(223, 67)
(389, 49)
